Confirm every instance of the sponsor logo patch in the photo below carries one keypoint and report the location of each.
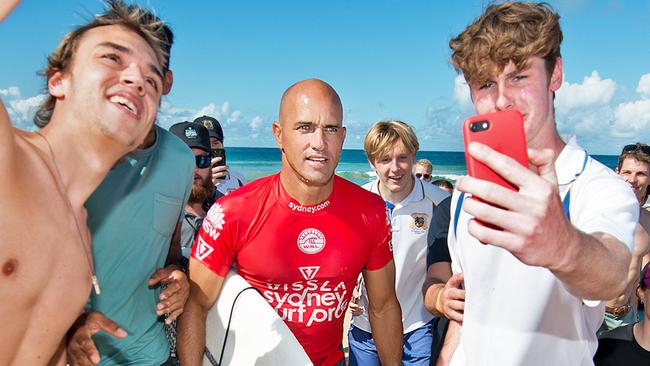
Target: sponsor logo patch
(203, 249)
(309, 272)
(190, 133)
(311, 241)
(308, 209)
(208, 124)
(419, 222)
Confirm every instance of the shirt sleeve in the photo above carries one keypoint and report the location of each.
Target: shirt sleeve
(437, 248)
(215, 244)
(615, 213)
(382, 249)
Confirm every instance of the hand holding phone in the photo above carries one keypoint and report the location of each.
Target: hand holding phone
(219, 153)
(502, 131)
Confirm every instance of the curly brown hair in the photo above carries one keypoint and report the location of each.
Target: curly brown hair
(143, 22)
(512, 31)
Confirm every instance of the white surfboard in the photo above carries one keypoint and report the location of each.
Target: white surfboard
(257, 335)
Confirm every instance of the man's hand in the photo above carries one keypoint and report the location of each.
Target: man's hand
(450, 301)
(218, 171)
(535, 229)
(356, 309)
(172, 299)
(80, 348)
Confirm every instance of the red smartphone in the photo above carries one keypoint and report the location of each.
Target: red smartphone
(502, 131)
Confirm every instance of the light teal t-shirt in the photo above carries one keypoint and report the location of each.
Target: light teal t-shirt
(132, 216)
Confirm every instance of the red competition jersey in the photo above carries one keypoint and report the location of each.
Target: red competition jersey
(305, 260)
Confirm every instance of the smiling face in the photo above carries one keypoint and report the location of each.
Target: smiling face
(394, 171)
(114, 82)
(530, 91)
(310, 133)
(637, 175)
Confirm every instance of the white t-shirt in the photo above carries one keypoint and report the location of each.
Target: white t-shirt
(233, 181)
(410, 223)
(517, 314)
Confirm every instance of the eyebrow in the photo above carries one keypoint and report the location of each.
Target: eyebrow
(128, 51)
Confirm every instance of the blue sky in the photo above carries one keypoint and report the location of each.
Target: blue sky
(387, 59)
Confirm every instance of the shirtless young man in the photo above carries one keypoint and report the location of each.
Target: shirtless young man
(303, 218)
(634, 167)
(105, 82)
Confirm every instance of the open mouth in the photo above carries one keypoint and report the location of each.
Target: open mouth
(315, 159)
(126, 103)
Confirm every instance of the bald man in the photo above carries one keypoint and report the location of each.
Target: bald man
(315, 231)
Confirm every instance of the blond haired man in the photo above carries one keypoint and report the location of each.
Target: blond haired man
(104, 81)
(423, 169)
(529, 281)
(391, 147)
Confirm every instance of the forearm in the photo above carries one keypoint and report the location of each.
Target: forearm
(586, 252)
(191, 334)
(431, 294)
(437, 275)
(387, 332)
(449, 344)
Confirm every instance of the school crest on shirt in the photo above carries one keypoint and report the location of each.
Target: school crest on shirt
(419, 222)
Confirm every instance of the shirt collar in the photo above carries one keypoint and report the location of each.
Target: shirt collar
(570, 162)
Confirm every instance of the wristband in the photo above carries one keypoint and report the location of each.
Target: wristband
(438, 308)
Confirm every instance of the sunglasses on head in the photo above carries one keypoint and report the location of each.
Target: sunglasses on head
(636, 147)
(202, 161)
(420, 175)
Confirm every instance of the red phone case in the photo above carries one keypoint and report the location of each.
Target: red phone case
(505, 134)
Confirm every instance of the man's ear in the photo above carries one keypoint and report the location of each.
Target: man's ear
(56, 85)
(277, 133)
(556, 76)
(169, 80)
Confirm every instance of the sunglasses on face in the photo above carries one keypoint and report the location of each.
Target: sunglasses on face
(636, 147)
(202, 161)
(420, 176)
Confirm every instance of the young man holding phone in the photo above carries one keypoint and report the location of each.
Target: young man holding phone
(529, 281)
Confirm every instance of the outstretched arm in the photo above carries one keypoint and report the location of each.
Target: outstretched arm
(204, 289)
(385, 314)
(536, 230)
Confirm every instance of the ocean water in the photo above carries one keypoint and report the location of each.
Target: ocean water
(257, 162)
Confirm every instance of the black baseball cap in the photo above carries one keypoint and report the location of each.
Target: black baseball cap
(193, 134)
(213, 126)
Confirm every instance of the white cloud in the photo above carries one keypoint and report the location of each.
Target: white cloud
(24, 109)
(11, 92)
(632, 119)
(225, 108)
(255, 123)
(644, 86)
(234, 117)
(592, 91)
(461, 93)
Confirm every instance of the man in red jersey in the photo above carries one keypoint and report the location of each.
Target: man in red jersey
(315, 233)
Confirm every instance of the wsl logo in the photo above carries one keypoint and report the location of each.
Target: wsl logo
(311, 241)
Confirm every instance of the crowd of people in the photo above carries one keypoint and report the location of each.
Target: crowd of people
(121, 261)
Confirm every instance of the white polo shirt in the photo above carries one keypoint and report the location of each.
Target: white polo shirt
(517, 314)
(410, 222)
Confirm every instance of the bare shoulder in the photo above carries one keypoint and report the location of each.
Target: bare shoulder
(7, 144)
